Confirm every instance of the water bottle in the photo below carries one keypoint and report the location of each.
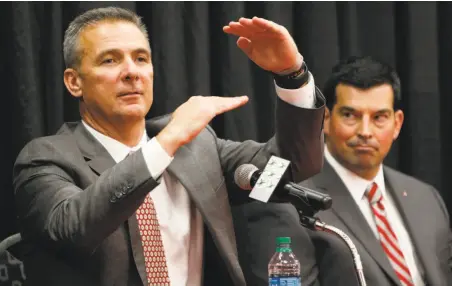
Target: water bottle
(284, 267)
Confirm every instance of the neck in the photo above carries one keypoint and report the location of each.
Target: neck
(128, 133)
(367, 174)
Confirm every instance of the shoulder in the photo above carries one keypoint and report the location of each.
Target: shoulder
(426, 193)
(63, 141)
(407, 179)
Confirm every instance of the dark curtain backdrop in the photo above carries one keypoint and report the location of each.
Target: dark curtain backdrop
(193, 56)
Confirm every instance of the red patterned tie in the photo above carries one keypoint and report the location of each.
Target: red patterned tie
(151, 239)
(388, 239)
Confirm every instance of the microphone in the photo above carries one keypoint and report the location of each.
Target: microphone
(249, 177)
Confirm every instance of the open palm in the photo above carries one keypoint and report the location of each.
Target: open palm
(266, 43)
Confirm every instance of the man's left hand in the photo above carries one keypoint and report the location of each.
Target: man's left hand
(266, 43)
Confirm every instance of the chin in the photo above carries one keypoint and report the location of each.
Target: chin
(137, 111)
(367, 163)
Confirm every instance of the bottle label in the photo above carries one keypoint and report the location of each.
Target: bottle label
(284, 281)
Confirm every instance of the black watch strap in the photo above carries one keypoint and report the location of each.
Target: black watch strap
(294, 80)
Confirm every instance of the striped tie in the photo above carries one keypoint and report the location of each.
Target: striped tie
(388, 239)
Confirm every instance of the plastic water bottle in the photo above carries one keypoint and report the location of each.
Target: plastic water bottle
(284, 267)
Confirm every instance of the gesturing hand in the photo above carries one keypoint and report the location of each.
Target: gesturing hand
(266, 43)
(193, 116)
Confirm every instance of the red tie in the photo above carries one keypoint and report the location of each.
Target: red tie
(151, 239)
(388, 239)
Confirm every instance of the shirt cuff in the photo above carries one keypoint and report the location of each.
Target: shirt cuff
(156, 158)
(303, 97)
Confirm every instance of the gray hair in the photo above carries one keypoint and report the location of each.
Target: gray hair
(71, 48)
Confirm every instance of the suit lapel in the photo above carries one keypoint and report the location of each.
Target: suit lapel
(213, 207)
(212, 203)
(192, 176)
(99, 160)
(186, 168)
(410, 215)
(96, 156)
(345, 208)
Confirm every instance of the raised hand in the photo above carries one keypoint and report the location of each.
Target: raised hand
(266, 43)
(189, 119)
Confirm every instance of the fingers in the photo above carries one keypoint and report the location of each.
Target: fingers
(248, 24)
(243, 28)
(223, 104)
(237, 29)
(265, 25)
(246, 27)
(245, 45)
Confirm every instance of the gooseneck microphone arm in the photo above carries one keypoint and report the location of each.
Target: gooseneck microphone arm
(315, 224)
(307, 202)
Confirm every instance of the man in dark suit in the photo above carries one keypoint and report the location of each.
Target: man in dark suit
(117, 200)
(399, 224)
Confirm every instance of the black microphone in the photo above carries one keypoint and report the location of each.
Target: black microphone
(246, 176)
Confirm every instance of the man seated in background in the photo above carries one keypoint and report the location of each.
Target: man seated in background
(399, 224)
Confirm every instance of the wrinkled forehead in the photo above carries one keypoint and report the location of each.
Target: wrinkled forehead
(112, 35)
(371, 99)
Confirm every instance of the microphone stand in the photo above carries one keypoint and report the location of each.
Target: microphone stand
(308, 220)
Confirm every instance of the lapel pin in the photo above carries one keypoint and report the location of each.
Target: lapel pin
(404, 193)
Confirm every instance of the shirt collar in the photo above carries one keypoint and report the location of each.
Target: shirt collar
(354, 183)
(115, 148)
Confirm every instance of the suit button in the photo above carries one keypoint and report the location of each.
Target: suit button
(118, 195)
(113, 199)
(129, 185)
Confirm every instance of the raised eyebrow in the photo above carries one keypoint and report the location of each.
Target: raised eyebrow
(351, 109)
(106, 52)
(386, 110)
(347, 108)
(116, 51)
(143, 51)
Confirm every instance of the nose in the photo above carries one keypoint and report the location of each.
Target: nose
(365, 128)
(130, 72)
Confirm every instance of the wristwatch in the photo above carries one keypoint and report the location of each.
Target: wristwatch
(293, 80)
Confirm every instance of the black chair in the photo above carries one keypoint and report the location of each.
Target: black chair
(11, 269)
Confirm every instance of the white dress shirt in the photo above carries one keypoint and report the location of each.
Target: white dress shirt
(180, 222)
(357, 188)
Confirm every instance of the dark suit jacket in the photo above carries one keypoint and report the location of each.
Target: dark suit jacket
(76, 206)
(423, 212)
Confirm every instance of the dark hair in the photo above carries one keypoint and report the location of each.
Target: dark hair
(363, 73)
(71, 48)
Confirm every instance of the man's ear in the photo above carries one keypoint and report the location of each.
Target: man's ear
(399, 116)
(73, 82)
(326, 121)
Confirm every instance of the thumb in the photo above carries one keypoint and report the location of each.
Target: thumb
(245, 45)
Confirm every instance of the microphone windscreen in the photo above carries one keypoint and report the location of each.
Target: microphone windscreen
(242, 176)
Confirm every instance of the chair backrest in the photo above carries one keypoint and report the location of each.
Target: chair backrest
(9, 241)
(12, 269)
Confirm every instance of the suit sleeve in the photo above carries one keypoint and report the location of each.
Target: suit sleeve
(298, 138)
(54, 210)
(449, 232)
